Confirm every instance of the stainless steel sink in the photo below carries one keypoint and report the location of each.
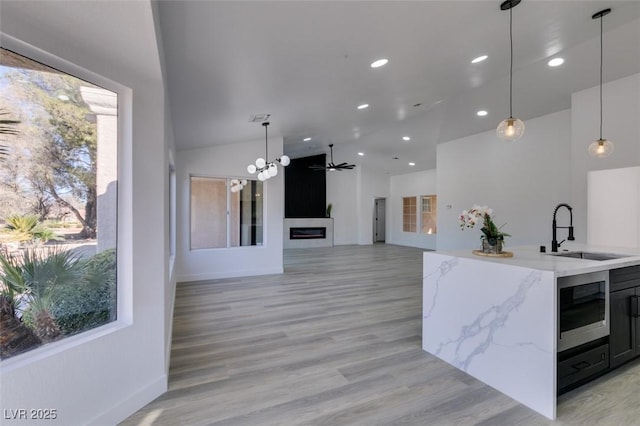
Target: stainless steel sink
(589, 255)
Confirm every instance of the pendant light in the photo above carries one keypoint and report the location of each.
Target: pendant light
(601, 148)
(510, 128)
(267, 170)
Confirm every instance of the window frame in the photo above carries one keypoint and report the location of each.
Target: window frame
(228, 213)
(124, 203)
(433, 200)
(411, 225)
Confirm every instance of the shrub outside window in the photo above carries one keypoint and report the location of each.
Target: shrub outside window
(58, 204)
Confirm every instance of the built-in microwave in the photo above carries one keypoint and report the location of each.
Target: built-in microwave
(583, 309)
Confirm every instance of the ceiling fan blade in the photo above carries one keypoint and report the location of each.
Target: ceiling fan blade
(341, 165)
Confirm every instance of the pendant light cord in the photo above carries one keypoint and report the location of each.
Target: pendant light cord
(511, 63)
(601, 61)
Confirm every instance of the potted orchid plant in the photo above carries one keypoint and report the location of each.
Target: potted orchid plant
(492, 236)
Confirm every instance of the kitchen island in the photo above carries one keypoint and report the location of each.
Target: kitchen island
(497, 318)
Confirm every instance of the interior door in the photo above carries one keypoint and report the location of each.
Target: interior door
(379, 220)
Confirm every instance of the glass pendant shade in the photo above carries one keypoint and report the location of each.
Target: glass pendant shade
(510, 129)
(285, 160)
(260, 163)
(251, 168)
(272, 170)
(601, 148)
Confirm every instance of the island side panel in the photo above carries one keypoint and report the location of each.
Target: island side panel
(496, 322)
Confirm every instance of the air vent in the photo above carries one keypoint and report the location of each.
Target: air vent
(259, 118)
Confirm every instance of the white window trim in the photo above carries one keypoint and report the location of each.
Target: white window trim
(125, 205)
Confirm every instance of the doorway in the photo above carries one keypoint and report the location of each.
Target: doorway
(379, 220)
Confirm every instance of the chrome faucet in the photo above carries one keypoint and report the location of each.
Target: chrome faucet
(554, 242)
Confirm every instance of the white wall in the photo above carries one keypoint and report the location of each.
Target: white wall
(522, 181)
(621, 125)
(169, 202)
(352, 193)
(103, 376)
(342, 192)
(372, 185)
(408, 185)
(614, 207)
(230, 161)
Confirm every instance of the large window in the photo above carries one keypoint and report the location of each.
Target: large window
(58, 204)
(221, 217)
(428, 213)
(409, 214)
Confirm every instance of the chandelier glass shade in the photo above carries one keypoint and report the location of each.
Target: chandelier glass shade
(602, 148)
(267, 169)
(237, 185)
(510, 128)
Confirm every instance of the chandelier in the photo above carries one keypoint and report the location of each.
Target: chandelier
(267, 170)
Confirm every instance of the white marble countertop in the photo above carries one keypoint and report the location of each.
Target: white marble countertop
(530, 257)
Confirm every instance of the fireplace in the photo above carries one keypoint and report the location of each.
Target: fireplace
(307, 233)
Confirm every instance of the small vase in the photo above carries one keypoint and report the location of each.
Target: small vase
(492, 248)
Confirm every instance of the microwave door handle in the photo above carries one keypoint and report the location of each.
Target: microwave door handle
(635, 306)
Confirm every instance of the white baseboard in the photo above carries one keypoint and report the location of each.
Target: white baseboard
(229, 274)
(132, 403)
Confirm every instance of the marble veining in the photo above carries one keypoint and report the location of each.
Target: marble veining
(487, 324)
(440, 272)
(496, 322)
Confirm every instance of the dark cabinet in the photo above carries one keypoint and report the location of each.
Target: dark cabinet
(582, 366)
(624, 339)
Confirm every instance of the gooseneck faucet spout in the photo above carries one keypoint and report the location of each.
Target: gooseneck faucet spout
(554, 242)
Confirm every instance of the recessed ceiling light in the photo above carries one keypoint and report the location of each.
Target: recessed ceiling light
(306, 139)
(363, 106)
(406, 138)
(361, 154)
(479, 59)
(555, 62)
(482, 113)
(379, 63)
(412, 164)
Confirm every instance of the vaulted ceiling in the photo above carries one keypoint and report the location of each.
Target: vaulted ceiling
(307, 63)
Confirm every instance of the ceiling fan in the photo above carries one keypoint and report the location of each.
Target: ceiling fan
(331, 166)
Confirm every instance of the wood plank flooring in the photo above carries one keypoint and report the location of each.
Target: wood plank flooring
(336, 340)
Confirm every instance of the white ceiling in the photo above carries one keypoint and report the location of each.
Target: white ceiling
(307, 64)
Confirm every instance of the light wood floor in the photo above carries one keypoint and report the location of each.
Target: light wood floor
(336, 340)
